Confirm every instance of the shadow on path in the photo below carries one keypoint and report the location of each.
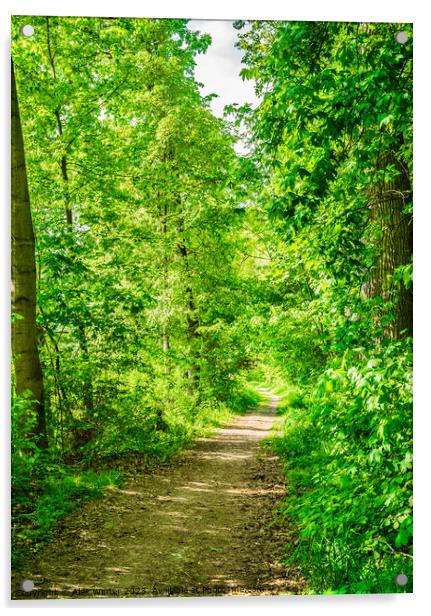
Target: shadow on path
(198, 527)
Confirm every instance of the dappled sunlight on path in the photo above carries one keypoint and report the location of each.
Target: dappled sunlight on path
(201, 525)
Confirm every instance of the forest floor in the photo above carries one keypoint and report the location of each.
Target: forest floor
(202, 525)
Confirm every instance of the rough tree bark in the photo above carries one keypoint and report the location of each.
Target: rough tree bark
(395, 245)
(27, 366)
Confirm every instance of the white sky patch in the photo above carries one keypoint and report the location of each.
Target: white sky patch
(218, 69)
(102, 114)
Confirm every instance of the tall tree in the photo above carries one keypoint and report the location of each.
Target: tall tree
(133, 220)
(333, 136)
(28, 371)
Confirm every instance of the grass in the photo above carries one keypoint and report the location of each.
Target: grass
(35, 516)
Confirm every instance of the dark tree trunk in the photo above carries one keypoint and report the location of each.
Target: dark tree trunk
(193, 324)
(395, 245)
(28, 371)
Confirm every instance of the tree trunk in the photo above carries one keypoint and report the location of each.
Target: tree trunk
(165, 329)
(28, 371)
(395, 246)
(193, 324)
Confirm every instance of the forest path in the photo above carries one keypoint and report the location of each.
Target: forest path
(200, 525)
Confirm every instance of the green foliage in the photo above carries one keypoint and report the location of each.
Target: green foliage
(171, 272)
(63, 492)
(136, 248)
(27, 458)
(28, 465)
(330, 138)
(244, 398)
(349, 465)
(43, 491)
(135, 230)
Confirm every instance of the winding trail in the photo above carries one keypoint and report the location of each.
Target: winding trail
(198, 526)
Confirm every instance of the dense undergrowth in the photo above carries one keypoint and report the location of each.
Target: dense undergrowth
(346, 445)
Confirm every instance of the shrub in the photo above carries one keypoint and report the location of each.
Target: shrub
(349, 465)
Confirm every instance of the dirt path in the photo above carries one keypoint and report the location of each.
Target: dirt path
(198, 526)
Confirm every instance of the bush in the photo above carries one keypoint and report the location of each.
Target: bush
(349, 465)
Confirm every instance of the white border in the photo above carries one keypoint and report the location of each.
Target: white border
(415, 11)
(366, 10)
